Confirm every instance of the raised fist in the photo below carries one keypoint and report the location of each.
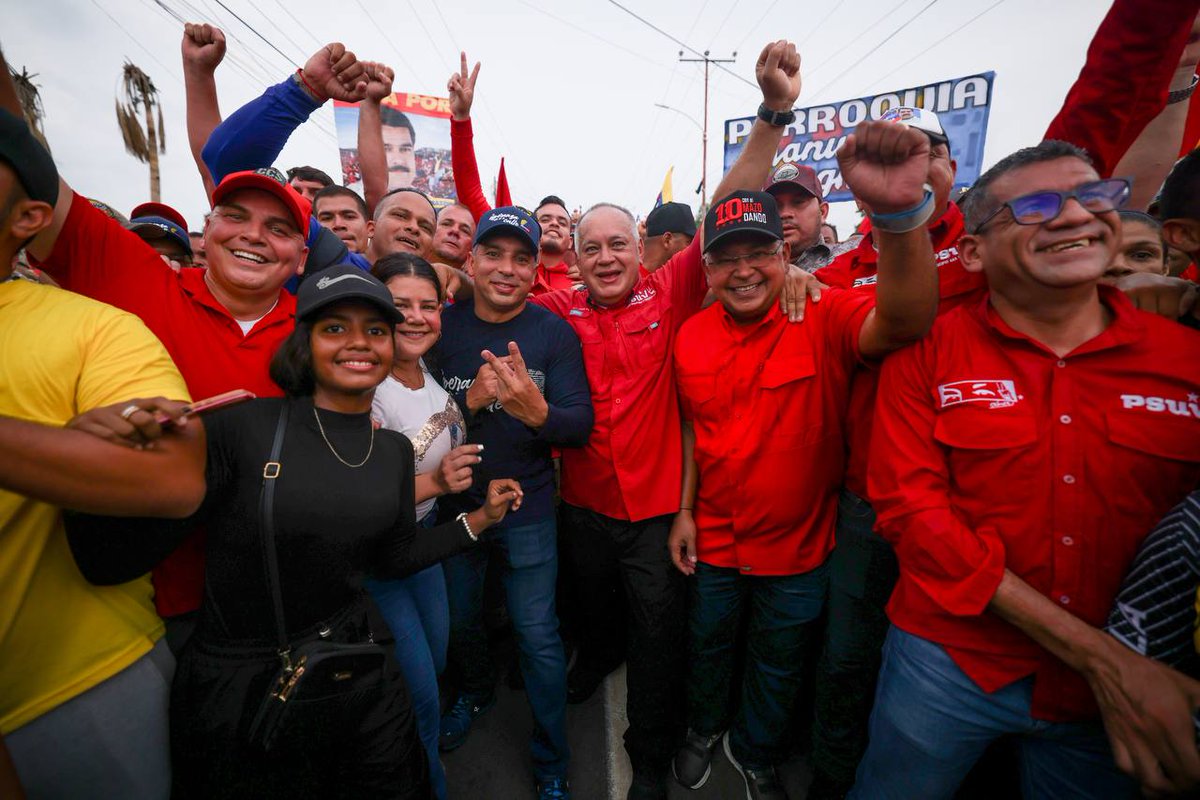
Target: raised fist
(778, 75)
(203, 46)
(886, 166)
(379, 80)
(333, 72)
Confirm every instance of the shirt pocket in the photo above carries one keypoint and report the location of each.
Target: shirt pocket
(1162, 451)
(988, 447)
(696, 392)
(788, 387)
(646, 337)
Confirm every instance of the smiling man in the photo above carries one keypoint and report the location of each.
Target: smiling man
(221, 325)
(517, 373)
(764, 408)
(1018, 465)
(404, 222)
(453, 236)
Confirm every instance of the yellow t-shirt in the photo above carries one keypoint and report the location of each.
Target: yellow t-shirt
(62, 354)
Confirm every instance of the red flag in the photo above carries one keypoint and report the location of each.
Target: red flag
(503, 196)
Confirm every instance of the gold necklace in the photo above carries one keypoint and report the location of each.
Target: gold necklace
(329, 444)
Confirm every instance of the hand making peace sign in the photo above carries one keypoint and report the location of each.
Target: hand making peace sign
(461, 90)
(516, 391)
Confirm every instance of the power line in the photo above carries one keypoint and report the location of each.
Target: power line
(592, 34)
(388, 39)
(812, 31)
(842, 49)
(137, 41)
(278, 28)
(757, 25)
(948, 35)
(682, 44)
(256, 33)
(300, 24)
(875, 49)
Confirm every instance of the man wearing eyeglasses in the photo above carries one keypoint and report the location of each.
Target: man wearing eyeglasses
(1023, 451)
(862, 569)
(764, 405)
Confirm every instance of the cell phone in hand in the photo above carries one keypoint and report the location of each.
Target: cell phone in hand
(210, 404)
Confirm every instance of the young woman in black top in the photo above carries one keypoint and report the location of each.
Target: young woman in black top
(343, 508)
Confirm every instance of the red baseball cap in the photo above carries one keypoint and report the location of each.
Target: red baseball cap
(799, 175)
(270, 180)
(159, 210)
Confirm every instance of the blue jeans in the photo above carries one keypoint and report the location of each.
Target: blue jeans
(931, 723)
(783, 610)
(529, 560)
(862, 574)
(417, 611)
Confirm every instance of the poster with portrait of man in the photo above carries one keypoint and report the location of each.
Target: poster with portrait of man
(416, 143)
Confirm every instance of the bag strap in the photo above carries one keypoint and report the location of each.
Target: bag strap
(266, 516)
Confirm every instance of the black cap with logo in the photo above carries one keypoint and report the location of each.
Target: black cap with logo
(343, 282)
(742, 212)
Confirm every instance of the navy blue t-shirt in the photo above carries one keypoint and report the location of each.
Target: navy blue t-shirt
(511, 449)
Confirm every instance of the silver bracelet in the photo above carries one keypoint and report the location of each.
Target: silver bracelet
(463, 519)
(1179, 95)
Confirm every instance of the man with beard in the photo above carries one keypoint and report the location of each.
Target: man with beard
(552, 269)
(802, 208)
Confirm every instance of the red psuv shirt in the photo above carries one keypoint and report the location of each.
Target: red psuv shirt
(990, 452)
(631, 466)
(96, 257)
(858, 269)
(767, 402)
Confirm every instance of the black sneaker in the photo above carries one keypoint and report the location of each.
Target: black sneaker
(761, 784)
(456, 723)
(648, 784)
(583, 680)
(693, 762)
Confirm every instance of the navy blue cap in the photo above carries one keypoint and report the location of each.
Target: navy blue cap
(150, 228)
(513, 220)
(28, 158)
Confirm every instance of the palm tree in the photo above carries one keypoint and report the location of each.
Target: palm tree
(143, 144)
(31, 102)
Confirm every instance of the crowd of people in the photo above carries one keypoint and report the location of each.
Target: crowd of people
(919, 492)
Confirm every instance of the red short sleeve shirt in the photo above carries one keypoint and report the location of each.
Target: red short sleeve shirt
(767, 403)
(991, 452)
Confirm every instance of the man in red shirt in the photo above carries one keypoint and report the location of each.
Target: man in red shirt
(1024, 450)
(862, 569)
(620, 490)
(768, 474)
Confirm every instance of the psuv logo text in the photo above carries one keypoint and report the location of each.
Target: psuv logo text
(1164, 405)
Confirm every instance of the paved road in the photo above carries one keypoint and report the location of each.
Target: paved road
(494, 763)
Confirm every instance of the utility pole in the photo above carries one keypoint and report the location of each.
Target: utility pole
(704, 145)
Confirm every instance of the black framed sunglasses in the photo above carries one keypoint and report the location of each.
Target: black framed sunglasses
(1035, 208)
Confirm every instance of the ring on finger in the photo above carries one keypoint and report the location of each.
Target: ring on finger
(129, 411)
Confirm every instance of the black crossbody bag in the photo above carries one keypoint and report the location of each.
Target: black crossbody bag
(320, 683)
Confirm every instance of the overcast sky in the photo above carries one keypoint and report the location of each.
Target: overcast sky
(567, 92)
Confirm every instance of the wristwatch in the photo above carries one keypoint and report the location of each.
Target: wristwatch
(776, 118)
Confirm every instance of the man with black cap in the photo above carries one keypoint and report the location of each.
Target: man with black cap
(669, 229)
(85, 679)
(863, 566)
(517, 373)
(757, 510)
(803, 209)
